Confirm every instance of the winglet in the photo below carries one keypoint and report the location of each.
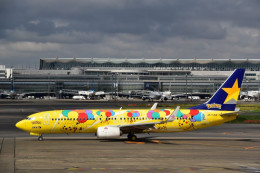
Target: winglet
(173, 115)
(154, 106)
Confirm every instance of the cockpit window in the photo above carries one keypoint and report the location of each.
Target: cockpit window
(30, 118)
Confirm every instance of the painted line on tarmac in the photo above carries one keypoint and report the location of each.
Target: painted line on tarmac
(148, 168)
(253, 147)
(145, 142)
(215, 145)
(156, 141)
(134, 142)
(2, 145)
(207, 138)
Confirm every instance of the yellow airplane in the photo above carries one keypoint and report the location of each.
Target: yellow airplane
(220, 108)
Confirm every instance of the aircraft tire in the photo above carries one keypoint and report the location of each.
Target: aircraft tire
(40, 138)
(132, 137)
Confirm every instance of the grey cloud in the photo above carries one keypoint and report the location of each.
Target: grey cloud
(187, 19)
(133, 28)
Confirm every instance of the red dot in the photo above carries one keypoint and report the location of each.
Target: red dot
(82, 118)
(108, 114)
(129, 114)
(167, 112)
(194, 112)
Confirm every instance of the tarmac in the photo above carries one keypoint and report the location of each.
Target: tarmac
(225, 148)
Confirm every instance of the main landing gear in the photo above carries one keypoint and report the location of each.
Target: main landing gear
(40, 138)
(131, 137)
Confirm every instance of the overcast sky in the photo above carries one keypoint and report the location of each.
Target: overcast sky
(34, 29)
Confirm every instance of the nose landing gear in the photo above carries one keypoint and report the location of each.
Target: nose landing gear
(40, 138)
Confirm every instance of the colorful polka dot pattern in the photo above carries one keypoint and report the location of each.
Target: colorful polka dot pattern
(82, 115)
(155, 114)
(133, 114)
(107, 113)
(193, 115)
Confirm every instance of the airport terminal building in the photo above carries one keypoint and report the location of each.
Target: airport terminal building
(59, 75)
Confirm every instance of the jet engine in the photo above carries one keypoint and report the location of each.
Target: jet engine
(106, 132)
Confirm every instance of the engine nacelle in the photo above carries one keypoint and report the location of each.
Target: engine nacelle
(107, 132)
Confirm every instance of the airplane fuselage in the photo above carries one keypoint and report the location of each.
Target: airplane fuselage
(88, 121)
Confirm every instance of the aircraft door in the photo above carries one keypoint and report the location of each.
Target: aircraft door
(46, 119)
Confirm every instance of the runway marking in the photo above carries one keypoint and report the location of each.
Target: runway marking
(156, 141)
(253, 147)
(2, 145)
(216, 145)
(147, 168)
(224, 133)
(134, 142)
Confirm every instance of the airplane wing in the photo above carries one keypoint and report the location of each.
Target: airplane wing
(154, 106)
(139, 127)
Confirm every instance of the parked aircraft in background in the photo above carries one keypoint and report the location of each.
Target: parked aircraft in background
(91, 94)
(249, 95)
(193, 96)
(106, 123)
(150, 95)
(9, 94)
(78, 98)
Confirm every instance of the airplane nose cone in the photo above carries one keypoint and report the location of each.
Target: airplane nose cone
(21, 125)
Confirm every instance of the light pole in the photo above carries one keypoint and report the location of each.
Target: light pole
(191, 86)
(258, 87)
(48, 85)
(117, 85)
(186, 86)
(114, 78)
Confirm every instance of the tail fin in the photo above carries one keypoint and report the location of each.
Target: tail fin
(225, 98)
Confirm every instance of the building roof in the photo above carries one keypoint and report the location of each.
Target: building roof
(148, 61)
